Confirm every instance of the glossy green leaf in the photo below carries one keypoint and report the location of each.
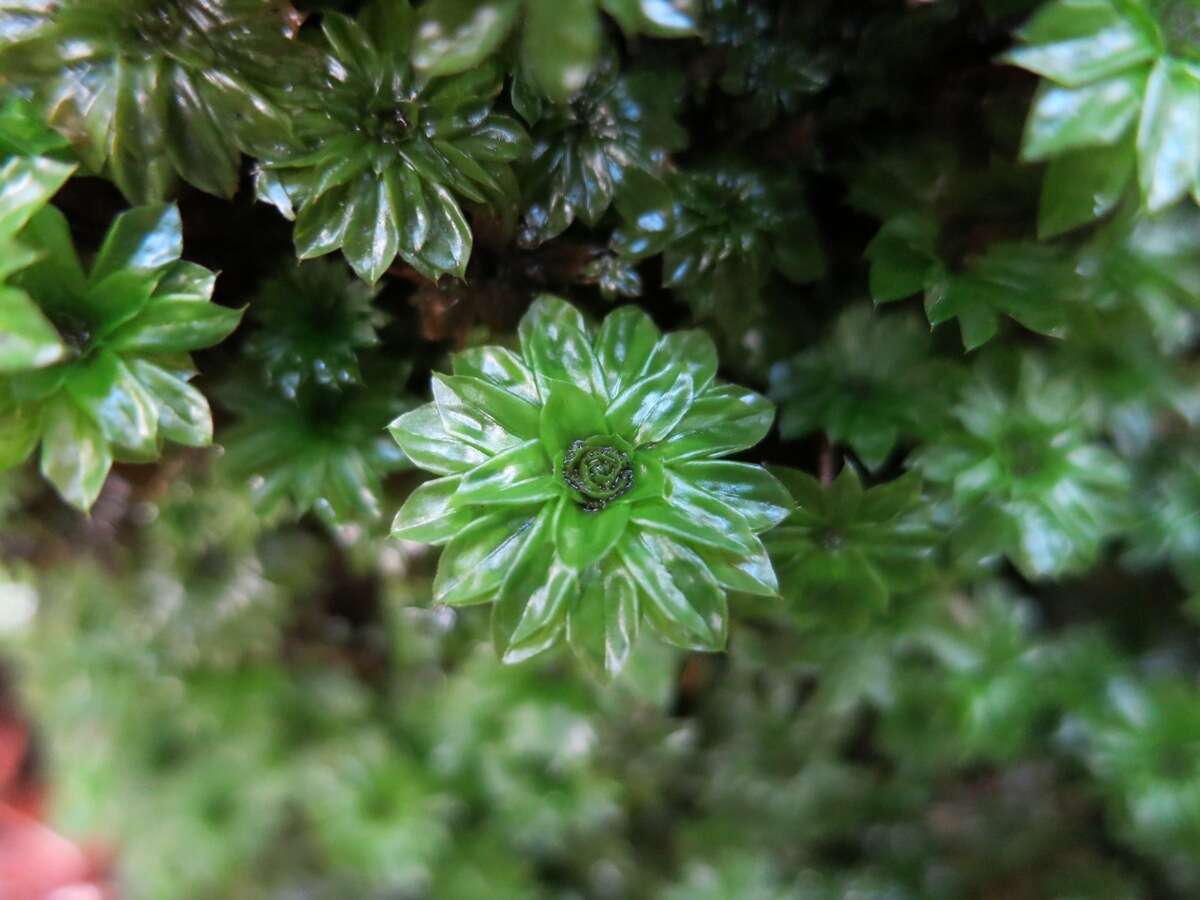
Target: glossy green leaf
(518, 475)
(56, 278)
(424, 439)
(183, 413)
(756, 494)
(1168, 136)
(602, 624)
(569, 414)
(626, 339)
(1075, 42)
(560, 44)
(501, 367)
(26, 185)
(27, 340)
(648, 410)
(584, 538)
(108, 392)
(428, 516)
(372, 237)
(454, 35)
(530, 606)
(478, 558)
(697, 517)
(75, 456)
(753, 574)
(482, 414)
(556, 343)
(678, 596)
(139, 240)
(1083, 186)
(724, 419)
(20, 430)
(168, 326)
(1096, 115)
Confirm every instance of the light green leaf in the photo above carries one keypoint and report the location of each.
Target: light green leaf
(26, 185)
(517, 475)
(556, 343)
(745, 573)
(583, 537)
(20, 428)
(753, 491)
(569, 414)
(692, 515)
(691, 351)
(427, 515)
(501, 367)
(75, 455)
(56, 279)
(1168, 137)
(687, 613)
(456, 35)
(626, 339)
(424, 439)
(183, 413)
(530, 597)
(602, 623)
(175, 326)
(724, 419)
(27, 339)
(478, 412)
(143, 239)
(107, 391)
(560, 44)
(1096, 115)
(479, 557)
(648, 410)
(1075, 42)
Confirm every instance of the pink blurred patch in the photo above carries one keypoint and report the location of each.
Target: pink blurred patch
(35, 862)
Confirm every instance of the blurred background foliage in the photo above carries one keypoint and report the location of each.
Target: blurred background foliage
(978, 683)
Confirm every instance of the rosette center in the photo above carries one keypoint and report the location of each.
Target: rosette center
(597, 471)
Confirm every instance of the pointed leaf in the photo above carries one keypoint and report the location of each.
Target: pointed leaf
(427, 515)
(424, 440)
(27, 339)
(183, 413)
(75, 456)
(479, 557)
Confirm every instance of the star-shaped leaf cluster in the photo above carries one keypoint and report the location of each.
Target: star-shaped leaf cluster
(1141, 743)
(1026, 478)
(871, 383)
(381, 154)
(582, 487)
(843, 551)
(321, 449)
(610, 140)
(96, 365)
(1151, 263)
(767, 64)
(722, 231)
(1120, 91)
(149, 89)
(950, 233)
(312, 321)
(560, 43)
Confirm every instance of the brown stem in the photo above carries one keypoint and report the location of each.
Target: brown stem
(825, 463)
